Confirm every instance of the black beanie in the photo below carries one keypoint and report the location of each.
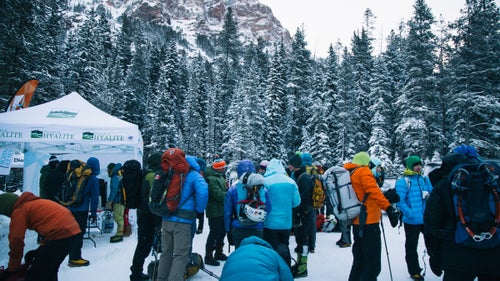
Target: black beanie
(295, 161)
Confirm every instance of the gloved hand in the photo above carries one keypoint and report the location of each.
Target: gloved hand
(230, 238)
(393, 215)
(391, 195)
(435, 262)
(30, 256)
(93, 219)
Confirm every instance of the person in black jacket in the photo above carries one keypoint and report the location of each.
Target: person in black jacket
(458, 262)
(146, 221)
(53, 182)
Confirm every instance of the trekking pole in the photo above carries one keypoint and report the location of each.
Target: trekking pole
(386, 250)
(209, 273)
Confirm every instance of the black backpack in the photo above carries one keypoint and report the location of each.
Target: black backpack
(476, 189)
(132, 183)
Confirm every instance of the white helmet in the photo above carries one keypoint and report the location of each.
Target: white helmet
(255, 214)
(329, 224)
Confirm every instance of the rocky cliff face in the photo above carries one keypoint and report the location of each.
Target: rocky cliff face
(203, 17)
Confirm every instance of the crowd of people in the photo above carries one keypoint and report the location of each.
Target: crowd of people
(268, 204)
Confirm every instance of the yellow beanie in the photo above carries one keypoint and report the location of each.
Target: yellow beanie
(362, 158)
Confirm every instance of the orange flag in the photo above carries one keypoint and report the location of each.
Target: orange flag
(22, 98)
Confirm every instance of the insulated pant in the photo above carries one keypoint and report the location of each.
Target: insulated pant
(215, 238)
(412, 232)
(176, 244)
(366, 251)
(48, 259)
(118, 213)
(146, 224)
(303, 233)
(76, 249)
(279, 240)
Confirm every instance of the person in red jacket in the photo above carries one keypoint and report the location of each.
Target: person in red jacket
(53, 222)
(367, 246)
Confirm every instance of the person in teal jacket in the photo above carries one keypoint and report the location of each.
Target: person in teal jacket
(255, 259)
(284, 195)
(413, 189)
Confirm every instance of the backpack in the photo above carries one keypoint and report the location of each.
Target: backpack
(132, 183)
(345, 203)
(318, 194)
(252, 209)
(75, 180)
(476, 201)
(165, 195)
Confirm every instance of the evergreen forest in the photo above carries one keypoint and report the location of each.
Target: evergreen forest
(435, 86)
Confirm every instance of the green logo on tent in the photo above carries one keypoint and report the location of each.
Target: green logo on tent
(60, 113)
(36, 134)
(88, 136)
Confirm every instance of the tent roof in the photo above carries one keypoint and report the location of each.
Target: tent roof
(68, 119)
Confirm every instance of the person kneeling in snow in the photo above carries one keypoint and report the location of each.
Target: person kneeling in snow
(53, 222)
(255, 259)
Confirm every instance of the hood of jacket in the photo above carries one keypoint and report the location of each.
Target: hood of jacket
(193, 162)
(93, 163)
(275, 167)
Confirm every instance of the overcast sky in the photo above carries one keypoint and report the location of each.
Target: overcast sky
(327, 21)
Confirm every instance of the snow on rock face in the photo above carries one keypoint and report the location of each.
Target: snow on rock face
(199, 17)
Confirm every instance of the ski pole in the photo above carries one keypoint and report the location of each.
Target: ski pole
(386, 250)
(209, 273)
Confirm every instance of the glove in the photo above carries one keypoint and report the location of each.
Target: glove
(393, 215)
(30, 256)
(391, 195)
(93, 219)
(435, 262)
(230, 239)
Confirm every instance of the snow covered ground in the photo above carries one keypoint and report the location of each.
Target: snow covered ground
(111, 262)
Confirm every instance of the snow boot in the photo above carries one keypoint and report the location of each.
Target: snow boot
(219, 254)
(210, 260)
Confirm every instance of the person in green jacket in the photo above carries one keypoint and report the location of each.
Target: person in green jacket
(215, 178)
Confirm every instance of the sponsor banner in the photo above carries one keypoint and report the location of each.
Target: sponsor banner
(51, 135)
(11, 135)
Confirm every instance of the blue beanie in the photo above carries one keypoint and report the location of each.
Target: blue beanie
(244, 166)
(466, 150)
(307, 159)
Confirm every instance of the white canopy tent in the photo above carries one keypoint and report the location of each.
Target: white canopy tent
(70, 128)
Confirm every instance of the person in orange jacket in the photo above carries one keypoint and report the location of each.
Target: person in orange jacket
(53, 222)
(367, 246)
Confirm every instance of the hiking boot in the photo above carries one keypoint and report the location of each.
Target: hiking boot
(127, 230)
(344, 245)
(78, 263)
(417, 277)
(311, 250)
(211, 261)
(140, 277)
(116, 239)
(301, 274)
(220, 256)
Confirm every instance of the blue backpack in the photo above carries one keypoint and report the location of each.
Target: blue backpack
(476, 189)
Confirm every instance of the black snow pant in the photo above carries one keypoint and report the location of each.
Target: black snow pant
(146, 224)
(412, 233)
(366, 251)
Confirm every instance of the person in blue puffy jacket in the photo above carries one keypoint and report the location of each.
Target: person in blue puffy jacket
(413, 189)
(255, 259)
(176, 230)
(285, 196)
(235, 226)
